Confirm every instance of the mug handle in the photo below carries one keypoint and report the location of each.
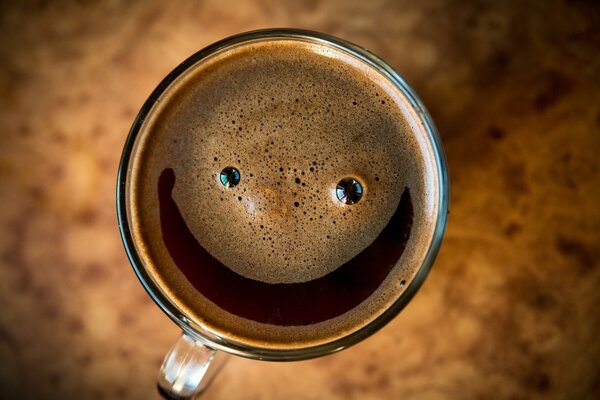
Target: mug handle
(188, 369)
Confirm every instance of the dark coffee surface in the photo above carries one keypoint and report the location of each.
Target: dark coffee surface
(294, 119)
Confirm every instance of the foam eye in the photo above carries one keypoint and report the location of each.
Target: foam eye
(349, 191)
(229, 177)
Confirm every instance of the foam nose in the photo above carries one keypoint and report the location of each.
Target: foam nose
(271, 202)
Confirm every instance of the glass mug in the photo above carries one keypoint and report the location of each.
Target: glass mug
(185, 371)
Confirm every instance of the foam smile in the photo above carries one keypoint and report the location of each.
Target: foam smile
(283, 304)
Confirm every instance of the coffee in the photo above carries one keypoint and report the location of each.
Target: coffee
(281, 193)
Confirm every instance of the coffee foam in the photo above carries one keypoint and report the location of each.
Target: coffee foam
(294, 118)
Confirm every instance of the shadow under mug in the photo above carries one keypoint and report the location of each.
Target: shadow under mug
(199, 353)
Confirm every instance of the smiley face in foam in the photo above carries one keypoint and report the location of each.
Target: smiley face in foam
(280, 178)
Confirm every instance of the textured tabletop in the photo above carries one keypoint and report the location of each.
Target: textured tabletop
(511, 307)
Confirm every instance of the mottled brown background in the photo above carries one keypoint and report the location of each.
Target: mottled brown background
(511, 309)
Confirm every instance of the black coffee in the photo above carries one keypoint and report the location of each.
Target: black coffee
(280, 193)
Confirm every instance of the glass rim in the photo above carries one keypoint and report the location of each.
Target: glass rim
(217, 342)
